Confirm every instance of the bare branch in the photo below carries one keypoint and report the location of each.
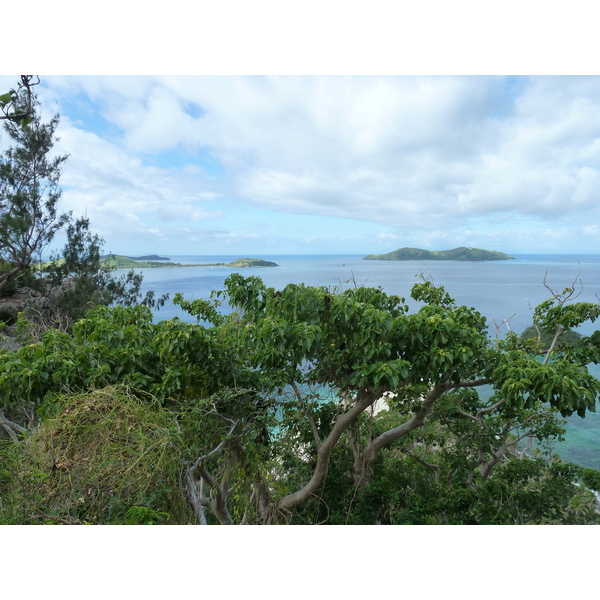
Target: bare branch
(10, 431)
(245, 516)
(465, 414)
(469, 384)
(63, 520)
(503, 322)
(213, 452)
(569, 293)
(488, 409)
(415, 421)
(219, 504)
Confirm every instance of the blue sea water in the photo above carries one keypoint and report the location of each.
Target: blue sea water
(500, 290)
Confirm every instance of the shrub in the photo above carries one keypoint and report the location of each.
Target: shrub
(106, 457)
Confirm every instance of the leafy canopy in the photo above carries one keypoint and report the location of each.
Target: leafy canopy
(276, 401)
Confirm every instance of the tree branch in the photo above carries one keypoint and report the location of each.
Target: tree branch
(365, 398)
(413, 423)
(436, 468)
(11, 427)
(219, 504)
(559, 331)
(196, 496)
(308, 414)
(213, 452)
(26, 82)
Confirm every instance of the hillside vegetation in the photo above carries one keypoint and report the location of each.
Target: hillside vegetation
(462, 253)
(266, 414)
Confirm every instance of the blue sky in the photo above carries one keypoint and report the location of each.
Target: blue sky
(259, 165)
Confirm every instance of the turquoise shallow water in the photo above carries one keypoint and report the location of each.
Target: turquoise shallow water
(582, 440)
(499, 290)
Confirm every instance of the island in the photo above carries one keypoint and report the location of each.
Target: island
(244, 263)
(116, 261)
(462, 253)
(152, 257)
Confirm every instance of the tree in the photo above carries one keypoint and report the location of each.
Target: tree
(278, 402)
(544, 338)
(363, 345)
(29, 221)
(17, 105)
(29, 194)
(547, 332)
(93, 283)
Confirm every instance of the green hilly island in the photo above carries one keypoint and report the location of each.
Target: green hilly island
(462, 253)
(151, 257)
(126, 262)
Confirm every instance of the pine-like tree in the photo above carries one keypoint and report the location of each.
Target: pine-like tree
(29, 195)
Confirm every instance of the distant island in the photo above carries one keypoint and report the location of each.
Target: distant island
(244, 263)
(151, 257)
(461, 253)
(126, 262)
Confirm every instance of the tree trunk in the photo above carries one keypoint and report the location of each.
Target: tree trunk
(417, 420)
(386, 438)
(366, 397)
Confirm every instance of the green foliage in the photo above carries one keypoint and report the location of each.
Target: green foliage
(267, 399)
(105, 457)
(143, 515)
(566, 386)
(250, 262)
(29, 195)
(362, 338)
(93, 282)
(114, 261)
(553, 313)
(591, 478)
(544, 338)
(29, 221)
(169, 359)
(16, 105)
(26, 278)
(403, 491)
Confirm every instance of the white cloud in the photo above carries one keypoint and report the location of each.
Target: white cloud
(123, 196)
(174, 212)
(432, 153)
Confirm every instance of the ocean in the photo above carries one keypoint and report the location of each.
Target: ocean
(505, 292)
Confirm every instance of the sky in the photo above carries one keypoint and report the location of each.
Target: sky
(289, 159)
(261, 165)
